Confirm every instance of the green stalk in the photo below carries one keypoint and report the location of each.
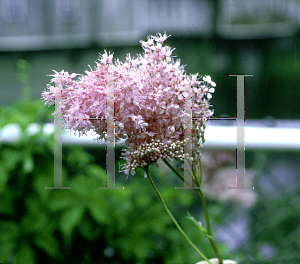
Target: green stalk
(211, 240)
(174, 220)
(175, 171)
(207, 221)
(208, 228)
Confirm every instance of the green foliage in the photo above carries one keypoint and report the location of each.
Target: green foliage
(91, 225)
(65, 226)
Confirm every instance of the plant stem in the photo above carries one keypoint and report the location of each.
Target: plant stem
(175, 171)
(211, 240)
(207, 221)
(174, 220)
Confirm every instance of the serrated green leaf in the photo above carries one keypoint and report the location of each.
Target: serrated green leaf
(25, 254)
(70, 219)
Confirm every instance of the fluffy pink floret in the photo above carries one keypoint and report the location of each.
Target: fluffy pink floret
(149, 102)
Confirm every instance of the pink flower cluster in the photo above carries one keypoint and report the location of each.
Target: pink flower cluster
(149, 92)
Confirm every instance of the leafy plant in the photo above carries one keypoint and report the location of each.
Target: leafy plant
(84, 223)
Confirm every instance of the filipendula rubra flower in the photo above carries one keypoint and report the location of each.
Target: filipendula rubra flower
(151, 95)
(150, 92)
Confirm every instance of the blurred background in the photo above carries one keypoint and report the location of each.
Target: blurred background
(87, 225)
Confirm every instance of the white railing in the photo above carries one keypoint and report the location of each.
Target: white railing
(282, 135)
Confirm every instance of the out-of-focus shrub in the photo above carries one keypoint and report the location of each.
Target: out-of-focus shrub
(84, 224)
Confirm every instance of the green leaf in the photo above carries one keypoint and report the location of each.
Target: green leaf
(6, 250)
(47, 242)
(10, 158)
(78, 159)
(6, 202)
(8, 231)
(4, 176)
(44, 177)
(62, 199)
(98, 210)
(89, 229)
(202, 229)
(28, 163)
(25, 255)
(70, 219)
(34, 222)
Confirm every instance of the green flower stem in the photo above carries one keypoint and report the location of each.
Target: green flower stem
(175, 171)
(207, 221)
(200, 171)
(211, 240)
(174, 220)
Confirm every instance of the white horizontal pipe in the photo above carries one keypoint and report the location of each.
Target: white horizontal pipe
(217, 137)
(220, 137)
